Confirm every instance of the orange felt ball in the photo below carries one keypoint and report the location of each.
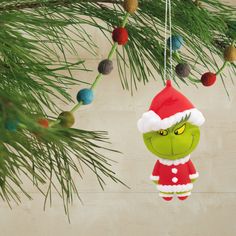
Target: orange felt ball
(130, 6)
(43, 122)
(208, 79)
(120, 35)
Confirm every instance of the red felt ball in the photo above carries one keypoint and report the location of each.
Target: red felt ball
(120, 35)
(208, 79)
(44, 123)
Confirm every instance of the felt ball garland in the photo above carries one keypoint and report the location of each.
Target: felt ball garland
(120, 37)
(209, 78)
(86, 96)
(183, 70)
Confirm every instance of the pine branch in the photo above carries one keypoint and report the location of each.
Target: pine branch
(48, 3)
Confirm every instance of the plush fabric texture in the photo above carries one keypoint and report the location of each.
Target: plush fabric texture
(120, 35)
(105, 67)
(230, 53)
(43, 122)
(85, 96)
(177, 42)
(130, 5)
(208, 79)
(182, 70)
(167, 108)
(66, 119)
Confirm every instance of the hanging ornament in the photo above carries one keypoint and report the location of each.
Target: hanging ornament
(182, 70)
(171, 131)
(230, 53)
(85, 96)
(130, 6)
(120, 35)
(67, 119)
(208, 79)
(105, 67)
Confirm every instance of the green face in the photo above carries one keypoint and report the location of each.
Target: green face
(174, 143)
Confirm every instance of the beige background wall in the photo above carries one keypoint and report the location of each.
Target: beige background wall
(211, 210)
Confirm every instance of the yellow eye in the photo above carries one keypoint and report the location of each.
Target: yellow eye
(163, 132)
(180, 130)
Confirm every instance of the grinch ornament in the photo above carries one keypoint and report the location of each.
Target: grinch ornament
(171, 132)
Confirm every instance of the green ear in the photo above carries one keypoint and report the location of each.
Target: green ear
(174, 143)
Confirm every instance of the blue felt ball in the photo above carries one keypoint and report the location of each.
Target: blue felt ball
(177, 42)
(85, 96)
(11, 124)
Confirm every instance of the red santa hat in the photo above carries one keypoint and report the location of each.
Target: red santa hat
(168, 108)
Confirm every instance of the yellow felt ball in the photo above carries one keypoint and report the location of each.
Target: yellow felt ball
(230, 53)
(66, 119)
(130, 6)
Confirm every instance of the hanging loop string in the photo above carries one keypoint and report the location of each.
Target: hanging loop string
(169, 29)
(165, 50)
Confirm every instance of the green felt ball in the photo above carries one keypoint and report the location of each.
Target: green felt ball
(66, 119)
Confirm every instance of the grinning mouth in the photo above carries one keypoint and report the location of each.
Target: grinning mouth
(172, 152)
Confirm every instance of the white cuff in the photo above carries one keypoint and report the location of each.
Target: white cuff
(155, 178)
(194, 176)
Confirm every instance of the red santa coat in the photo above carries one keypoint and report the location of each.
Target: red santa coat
(174, 176)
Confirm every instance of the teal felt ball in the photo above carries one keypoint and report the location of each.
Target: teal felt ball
(177, 42)
(85, 96)
(11, 124)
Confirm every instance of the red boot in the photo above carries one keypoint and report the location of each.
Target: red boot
(183, 198)
(167, 198)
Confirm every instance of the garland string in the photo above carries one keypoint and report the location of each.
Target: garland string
(99, 76)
